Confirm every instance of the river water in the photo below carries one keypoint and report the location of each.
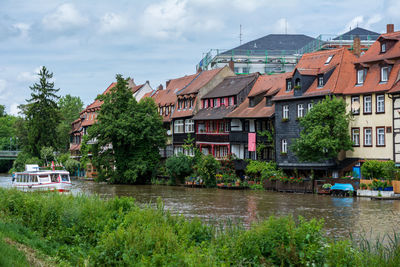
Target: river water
(342, 215)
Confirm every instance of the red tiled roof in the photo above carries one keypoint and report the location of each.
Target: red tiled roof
(395, 88)
(265, 83)
(258, 111)
(184, 112)
(180, 83)
(374, 52)
(341, 64)
(199, 81)
(137, 88)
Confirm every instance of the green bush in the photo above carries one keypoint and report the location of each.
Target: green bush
(71, 165)
(178, 167)
(22, 159)
(261, 170)
(207, 169)
(379, 169)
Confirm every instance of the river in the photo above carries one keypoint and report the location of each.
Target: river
(342, 215)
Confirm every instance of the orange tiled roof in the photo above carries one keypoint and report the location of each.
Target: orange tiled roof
(265, 83)
(313, 64)
(258, 111)
(199, 81)
(395, 88)
(374, 52)
(137, 88)
(180, 83)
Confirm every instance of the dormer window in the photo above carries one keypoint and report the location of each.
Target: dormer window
(360, 76)
(252, 102)
(384, 74)
(328, 60)
(320, 81)
(288, 85)
(268, 101)
(383, 47)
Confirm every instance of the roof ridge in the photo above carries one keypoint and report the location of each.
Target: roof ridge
(198, 75)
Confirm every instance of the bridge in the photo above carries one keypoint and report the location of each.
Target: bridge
(8, 155)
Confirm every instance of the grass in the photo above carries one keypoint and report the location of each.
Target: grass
(88, 231)
(10, 255)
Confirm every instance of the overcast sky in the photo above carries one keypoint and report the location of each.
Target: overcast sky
(85, 43)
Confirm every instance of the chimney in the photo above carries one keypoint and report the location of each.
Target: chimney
(389, 28)
(232, 65)
(357, 46)
(160, 87)
(148, 82)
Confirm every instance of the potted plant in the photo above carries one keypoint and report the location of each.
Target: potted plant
(363, 186)
(237, 182)
(327, 186)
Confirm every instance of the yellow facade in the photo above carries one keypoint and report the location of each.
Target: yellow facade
(372, 121)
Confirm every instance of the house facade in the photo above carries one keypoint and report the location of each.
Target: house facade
(317, 75)
(188, 104)
(212, 125)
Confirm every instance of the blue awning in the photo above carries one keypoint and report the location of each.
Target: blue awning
(344, 187)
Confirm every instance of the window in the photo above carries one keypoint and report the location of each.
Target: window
(285, 112)
(380, 104)
(236, 69)
(288, 85)
(329, 59)
(309, 107)
(383, 48)
(246, 70)
(355, 136)
(246, 126)
(384, 74)
(160, 111)
(251, 102)
(205, 103)
(215, 102)
(227, 126)
(355, 105)
(284, 146)
(191, 103)
(300, 110)
(231, 101)
(178, 149)
(360, 76)
(189, 126)
(367, 104)
(320, 81)
(221, 127)
(380, 136)
(222, 101)
(368, 136)
(189, 152)
(178, 126)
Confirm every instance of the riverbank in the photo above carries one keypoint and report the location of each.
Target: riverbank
(80, 230)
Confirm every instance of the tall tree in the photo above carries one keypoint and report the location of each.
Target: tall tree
(2, 111)
(70, 107)
(42, 114)
(324, 131)
(129, 134)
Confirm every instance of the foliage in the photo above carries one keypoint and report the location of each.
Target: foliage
(379, 169)
(256, 187)
(89, 231)
(42, 114)
(70, 107)
(85, 150)
(326, 186)
(178, 167)
(363, 186)
(47, 155)
(71, 165)
(324, 131)
(129, 134)
(8, 139)
(207, 169)
(2, 111)
(228, 166)
(261, 170)
(269, 143)
(254, 169)
(376, 184)
(22, 159)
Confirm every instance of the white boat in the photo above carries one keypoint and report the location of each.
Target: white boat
(33, 179)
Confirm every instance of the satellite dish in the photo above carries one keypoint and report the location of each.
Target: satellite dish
(355, 105)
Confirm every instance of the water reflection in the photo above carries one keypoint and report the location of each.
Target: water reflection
(341, 215)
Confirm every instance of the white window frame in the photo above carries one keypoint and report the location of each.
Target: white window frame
(383, 47)
(284, 147)
(178, 126)
(380, 104)
(285, 112)
(189, 126)
(310, 106)
(300, 110)
(367, 137)
(355, 137)
(384, 78)
(321, 81)
(367, 104)
(288, 85)
(380, 136)
(360, 76)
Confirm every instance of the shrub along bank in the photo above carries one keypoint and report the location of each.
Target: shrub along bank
(81, 230)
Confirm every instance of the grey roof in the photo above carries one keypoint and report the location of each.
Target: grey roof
(232, 85)
(213, 113)
(272, 43)
(360, 32)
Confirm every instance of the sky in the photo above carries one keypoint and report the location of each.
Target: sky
(86, 43)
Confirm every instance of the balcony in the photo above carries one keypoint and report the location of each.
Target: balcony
(212, 137)
(238, 137)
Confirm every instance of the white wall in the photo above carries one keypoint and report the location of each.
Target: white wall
(144, 90)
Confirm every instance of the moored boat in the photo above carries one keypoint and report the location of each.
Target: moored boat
(33, 179)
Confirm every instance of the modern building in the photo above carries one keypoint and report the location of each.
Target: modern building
(212, 127)
(316, 75)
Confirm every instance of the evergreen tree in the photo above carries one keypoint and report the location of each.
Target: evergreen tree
(324, 131)
(129, 134)
(42, 115)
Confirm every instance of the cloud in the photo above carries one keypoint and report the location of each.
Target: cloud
(283, 26)
(112, 22)
(373, 20)
(248, 5)
(14, 110)
(3, 85)
(356, 21)
(171, 19)
(23, 29)
(27, 76)
(64, 17)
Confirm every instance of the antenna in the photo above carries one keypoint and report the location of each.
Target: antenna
(240, 34)
(285, 26)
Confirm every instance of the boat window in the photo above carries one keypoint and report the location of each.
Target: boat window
(34, 179)
(54, 178)
(43, 178)
(65, 177)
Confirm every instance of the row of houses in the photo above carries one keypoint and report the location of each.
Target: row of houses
(256, 116)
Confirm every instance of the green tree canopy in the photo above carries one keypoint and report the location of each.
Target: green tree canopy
(70, 107)
(129, 134)
(324, 131)
(42, 114)
(2, 111)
